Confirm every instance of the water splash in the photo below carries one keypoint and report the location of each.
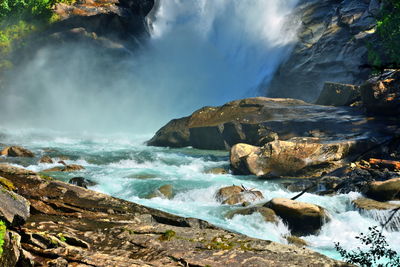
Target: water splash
(201, 52)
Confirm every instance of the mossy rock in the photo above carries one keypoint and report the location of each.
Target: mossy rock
(7, 184)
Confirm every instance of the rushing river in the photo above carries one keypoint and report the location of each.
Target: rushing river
(123, 167)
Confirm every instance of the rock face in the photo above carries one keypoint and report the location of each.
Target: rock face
(381, 94)
(94, 229)
(295, 157)
(336, 94)
(332, 46)
(384, 191)
(302, 218)
(232, 195)
(257, 121)
(17, 151)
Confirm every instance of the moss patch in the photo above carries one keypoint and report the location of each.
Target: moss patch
(7, 184)
(167, 235)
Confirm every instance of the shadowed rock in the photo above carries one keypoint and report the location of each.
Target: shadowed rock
(384, 191)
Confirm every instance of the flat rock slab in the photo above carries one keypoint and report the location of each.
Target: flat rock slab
(120, 233)
(257, 121)
(14, 209)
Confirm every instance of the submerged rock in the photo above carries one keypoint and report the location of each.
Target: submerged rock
(302, 218)
(232, 195)
(165, 191)
(217, 171)
(17, 151)
(65, 168)
(46, 159)
(268, 214)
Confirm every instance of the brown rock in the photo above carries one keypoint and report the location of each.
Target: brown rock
(165, 191)
(14, 209)
(17, 151)
(337, 94)
(217, 171)
(302, 218)
(381, 94)
(384, 191)
(303, 157)
(232, 195)
(66, 168)
(297, 241)
(268, 214)
(391, 165)
(370, 204)
(45, 159)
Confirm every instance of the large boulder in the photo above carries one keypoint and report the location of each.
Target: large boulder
(302, 218)
(384, 191)
(303, 157)
(259, 120)
(337, 94)
(17, 151)
(367, 204)
(232, 195)
(381, 94)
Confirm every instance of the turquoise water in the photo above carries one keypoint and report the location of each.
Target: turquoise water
(124, 167)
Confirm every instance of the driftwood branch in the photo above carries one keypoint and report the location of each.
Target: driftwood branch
(304, 191)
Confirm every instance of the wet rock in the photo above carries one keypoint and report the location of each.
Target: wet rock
(65, 168)
(384, 191)
(217, 171)
(268, 214)
(257, 121)
(370, 204)
(45, 159)
(297, 157)
(336, 94)
(391, 165)
(17, 151)
(14, 209)
(142, 176)
(302, 218)
(232, 195)
(165, 191)
(82, 182)
(381, 94)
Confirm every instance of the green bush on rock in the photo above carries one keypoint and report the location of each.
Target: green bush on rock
(3, 229)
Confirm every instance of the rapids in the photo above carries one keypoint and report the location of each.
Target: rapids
(123, 167)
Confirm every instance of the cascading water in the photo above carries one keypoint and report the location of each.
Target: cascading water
(202, 52)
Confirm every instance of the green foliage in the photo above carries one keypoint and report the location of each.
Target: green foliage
(3, 229)
(379, 251)
(388, 28)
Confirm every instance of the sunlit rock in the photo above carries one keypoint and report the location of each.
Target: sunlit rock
(17, 151)
(302, 218)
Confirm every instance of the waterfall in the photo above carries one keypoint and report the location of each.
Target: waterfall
(201, 52)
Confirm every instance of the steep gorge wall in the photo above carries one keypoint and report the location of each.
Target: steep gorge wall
(333, 46)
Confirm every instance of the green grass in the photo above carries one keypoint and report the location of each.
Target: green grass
(3, 229)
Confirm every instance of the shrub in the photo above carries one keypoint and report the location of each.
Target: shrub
(2, 234)
(379, 251)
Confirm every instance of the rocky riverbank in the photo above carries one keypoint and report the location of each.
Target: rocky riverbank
(51, 223)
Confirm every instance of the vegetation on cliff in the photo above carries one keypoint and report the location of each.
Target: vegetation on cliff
(18, 18)
(388, 29)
